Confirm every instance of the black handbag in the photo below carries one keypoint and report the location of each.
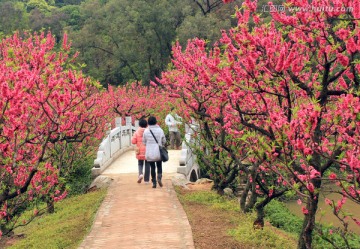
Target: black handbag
(163, 151)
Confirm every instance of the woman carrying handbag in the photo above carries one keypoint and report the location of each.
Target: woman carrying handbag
(152, 138)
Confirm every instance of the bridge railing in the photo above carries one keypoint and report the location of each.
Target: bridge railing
(188, 162)
(116, 142)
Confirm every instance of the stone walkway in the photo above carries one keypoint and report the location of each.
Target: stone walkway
(137, 216)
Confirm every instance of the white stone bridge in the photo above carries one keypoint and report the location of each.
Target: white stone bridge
(116, 148)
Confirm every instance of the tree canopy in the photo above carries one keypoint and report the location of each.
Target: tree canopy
(120, 41)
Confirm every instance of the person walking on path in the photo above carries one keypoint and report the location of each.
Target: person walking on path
(140, 152)
(152, 154)
(173, 120)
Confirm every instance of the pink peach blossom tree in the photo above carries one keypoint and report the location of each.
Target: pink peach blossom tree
(44, 103)
(289, 90)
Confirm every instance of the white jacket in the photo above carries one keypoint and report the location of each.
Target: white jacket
(152, 153)
(173, 122)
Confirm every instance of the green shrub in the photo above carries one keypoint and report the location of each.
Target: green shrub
(333, 234)
(280, 216)
(79, 178)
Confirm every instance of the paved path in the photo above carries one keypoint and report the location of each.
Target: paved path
(137, 216)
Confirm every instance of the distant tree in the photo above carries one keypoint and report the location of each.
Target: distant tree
(207, 27)
(13, 17)
(54, 21)
(207, 6)
(205, 20)
(62, 3)
(74, 19)
(42, 5)
(124, 41)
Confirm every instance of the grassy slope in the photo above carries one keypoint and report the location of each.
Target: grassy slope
(65, 228)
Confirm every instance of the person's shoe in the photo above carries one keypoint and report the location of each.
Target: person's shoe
(146, 183)
(160, 183)
(154, 185)
(140, 178)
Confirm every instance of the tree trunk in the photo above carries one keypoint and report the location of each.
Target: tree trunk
(305, 239)
(50, 206)
(220, 191)
(253, 198)
(244, 196)
(260, 212)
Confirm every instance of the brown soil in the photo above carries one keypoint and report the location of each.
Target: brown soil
(6, 241)
(202, 186)
(209, 225)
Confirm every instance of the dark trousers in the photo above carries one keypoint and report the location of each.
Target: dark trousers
(147, 169)
(175, 139)
(158, 165)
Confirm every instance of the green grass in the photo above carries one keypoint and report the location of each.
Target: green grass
(268, 237)
(65, 228)
(212, 199)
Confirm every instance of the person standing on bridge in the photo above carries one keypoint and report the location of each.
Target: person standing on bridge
(173, 121)
(140, 152)
(152, 134)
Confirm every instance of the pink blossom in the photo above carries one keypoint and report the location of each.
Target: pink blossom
(343, 33)
(310, 187)
(344, 60)
(328, 201)
(357, 221)
(308, 151)
(302, 177)
(304, 210)
(153, 84)
(332, 176)
(173, 95)
(350, 45)
(314, 173)
(280, 64)
(343, 84)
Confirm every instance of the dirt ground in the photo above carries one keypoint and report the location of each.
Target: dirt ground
(6, 241)
(202, 186)
(209, 226)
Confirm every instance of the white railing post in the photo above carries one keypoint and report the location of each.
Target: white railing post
(118, 122)
(110, 149)
(128, 122)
